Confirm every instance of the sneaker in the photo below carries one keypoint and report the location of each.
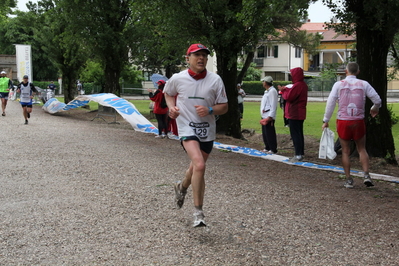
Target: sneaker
(265, 151)
(26, 122)
(199, 219)
(28, 115)
(163, 135)
(170, 135)
(158, 136)
(180, 195)
(271, 152)
(349, 183)
(296, 158)
(367, 181)
(3, 114)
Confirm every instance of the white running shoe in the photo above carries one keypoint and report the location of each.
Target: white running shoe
(199, 219)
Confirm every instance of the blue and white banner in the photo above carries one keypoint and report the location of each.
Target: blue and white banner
(125, 108)
(129, 112)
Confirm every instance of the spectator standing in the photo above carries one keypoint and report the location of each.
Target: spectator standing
(240, 99)
(282, 106)
(268, 109)
(51, 90)
(5, 86)
(351, 94)
(79, 87)
(296, 97)
(160, 109)
(200, 96)
(27, 91)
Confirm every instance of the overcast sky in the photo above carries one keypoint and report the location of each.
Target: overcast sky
(317, 12)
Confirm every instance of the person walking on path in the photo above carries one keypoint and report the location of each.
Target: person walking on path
(200, 96)
(240, 99)
(5, 86)
(268, 109)
(296, 97)
(160, 109)
(27, 91)
(351, 95)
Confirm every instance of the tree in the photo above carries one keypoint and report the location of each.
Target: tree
(106, 29)
(23, 28)
(60, 43)
(375, 30)
(227, 27)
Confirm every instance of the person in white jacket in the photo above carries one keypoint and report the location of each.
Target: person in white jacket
(268, 108)
(351, 95)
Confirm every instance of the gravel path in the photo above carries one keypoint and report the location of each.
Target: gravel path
(81, 192)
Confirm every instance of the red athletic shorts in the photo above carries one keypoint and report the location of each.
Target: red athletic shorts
(351, 129)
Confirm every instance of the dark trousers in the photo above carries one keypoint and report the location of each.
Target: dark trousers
(162, 123)
(296, 131)
(270, 137)
(241, 109)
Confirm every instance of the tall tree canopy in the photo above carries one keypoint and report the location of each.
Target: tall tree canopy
(227, 27)
(105, 27)
(375, 23)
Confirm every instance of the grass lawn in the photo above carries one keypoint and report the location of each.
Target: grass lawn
(311, 127)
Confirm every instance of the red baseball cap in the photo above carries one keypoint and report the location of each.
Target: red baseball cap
(197, 47)
(161, 82)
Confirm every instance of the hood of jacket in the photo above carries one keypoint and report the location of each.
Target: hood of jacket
(297, 74)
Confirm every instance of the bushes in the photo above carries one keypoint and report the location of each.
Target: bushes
(256, 87)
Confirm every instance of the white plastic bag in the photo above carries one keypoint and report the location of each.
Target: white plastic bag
(326, 149)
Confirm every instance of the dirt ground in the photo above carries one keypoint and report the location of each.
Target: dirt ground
(82, 192)
(286, 148)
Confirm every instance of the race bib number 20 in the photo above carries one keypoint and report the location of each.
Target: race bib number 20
(200, 129)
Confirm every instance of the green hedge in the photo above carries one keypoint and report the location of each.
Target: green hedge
(256, 87)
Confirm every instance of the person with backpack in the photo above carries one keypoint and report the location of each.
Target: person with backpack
(5, 86)
(27, 90)
(160, 109)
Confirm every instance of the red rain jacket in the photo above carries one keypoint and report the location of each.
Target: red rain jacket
(296, 97)
(157, 98)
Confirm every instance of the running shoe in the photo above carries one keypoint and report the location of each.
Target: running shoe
(349, 183)
(3, 114)
(367, 181)
(179, 195)
(28, 115)
(199, 219)
(26, 122)
(158, 136)
(296, 158)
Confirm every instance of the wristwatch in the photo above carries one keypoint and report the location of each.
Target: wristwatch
(210, 110)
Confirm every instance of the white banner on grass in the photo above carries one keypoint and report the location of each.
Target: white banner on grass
(125, 108)
(24, 61)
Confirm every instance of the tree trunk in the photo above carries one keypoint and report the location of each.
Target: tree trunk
(247, 64)
(372, 50)
(229, 123)
(112, 80)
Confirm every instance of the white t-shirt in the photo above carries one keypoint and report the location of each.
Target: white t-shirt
(190, 92)
(351, 95)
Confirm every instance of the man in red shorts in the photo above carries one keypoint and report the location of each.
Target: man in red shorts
(351, 95)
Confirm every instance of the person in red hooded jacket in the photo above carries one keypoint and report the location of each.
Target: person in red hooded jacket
(296, 97)
(160, 109)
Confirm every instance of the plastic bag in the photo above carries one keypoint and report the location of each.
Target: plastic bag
(326, 150)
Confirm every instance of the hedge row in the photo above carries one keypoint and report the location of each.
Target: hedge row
(256, 87)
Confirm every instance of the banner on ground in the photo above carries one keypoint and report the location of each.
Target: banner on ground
(129, 112)
(24, 61)
(125, 108)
